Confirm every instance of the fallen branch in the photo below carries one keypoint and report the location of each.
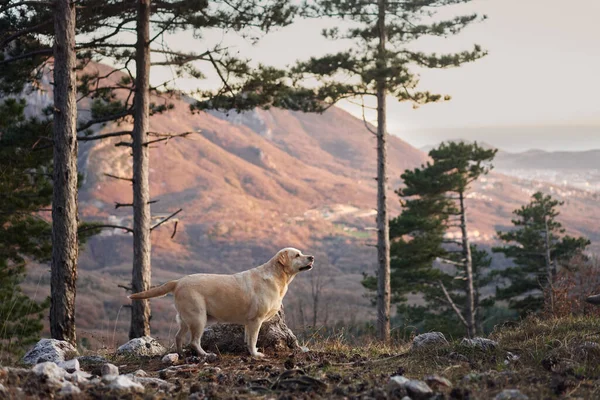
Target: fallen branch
(452, 304)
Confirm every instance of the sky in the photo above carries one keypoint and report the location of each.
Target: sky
(542, 70)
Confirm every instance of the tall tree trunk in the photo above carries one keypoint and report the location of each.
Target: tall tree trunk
(466, 249)
(550, 271)
(141, 274)
(383, 236)
(64, 199)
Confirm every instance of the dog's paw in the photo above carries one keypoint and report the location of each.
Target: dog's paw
(258, 354)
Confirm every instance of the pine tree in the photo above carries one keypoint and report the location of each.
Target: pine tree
(380, 64)
(25, 188)
(433, 203)
(537, 247)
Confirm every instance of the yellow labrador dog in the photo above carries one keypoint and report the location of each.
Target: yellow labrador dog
(247, 298)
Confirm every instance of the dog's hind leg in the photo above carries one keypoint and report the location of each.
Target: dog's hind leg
(180, 336)
(197, 324)
(252, 329)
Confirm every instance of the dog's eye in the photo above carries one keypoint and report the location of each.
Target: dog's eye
(297, 255)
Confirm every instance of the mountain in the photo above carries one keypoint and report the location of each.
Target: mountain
(248, 185)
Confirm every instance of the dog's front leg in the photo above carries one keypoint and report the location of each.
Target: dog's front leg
(252, 330)
(246, 335)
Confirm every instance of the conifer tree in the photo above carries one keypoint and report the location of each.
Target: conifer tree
(380, 63)
(433, 200)
(25, 189)
(537, 247)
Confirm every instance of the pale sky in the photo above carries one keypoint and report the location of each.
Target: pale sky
(543, 66)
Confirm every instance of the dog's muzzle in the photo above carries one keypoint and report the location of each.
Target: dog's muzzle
(307, 267)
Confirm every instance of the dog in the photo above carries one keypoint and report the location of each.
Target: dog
(247, 298)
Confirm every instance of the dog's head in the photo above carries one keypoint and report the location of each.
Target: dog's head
(293, 261)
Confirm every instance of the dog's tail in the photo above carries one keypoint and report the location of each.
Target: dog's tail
(155, 292)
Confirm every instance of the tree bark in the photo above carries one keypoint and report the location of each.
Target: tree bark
(466, 248)
(64, 198)
(383, 236)
(141, 273)
(550, 272)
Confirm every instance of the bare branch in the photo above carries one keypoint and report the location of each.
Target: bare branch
(452, 304)
(103, 136)
(166, 219)
(89, 228)
(174, 229)
(119, 205)
(119, 177)
(104, 119)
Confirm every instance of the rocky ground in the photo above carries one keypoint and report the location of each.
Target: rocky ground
(537, 359)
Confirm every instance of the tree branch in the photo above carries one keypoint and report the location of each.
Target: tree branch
(452, 304)
(103, 136)
(89, 228)
(104, 119)
(166, 219)
(118, 177)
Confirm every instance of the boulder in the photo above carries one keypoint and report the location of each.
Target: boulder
(145, 346)
(429, 339)
(227, 338)
(50, 350)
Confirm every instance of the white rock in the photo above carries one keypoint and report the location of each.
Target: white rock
(80, 377)
(69, 366)
(68, 389)
(140, 373)
(49, 350)
(52, 372)
(145, 346)
(415, 389)
(511, 394)
(436, 380)
(397, 382)
(170, 358)
(481, 343)
(125, 383)
(109, 369)
(429, 339)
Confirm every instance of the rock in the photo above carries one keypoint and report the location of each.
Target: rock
(145, 346)
(50, 371)
(140, 373)
(49, 350)
(415, 389)
(437, 381)
(170, 358)
(3, 391)
(154, 382)
(429, 339)
(109, 369)
(480, 343)
(80, 377)
(68, 389)
(511, 394)
(274, 334)
(418, 390)
(69, 366)
(91, 360)
(511, 357)
(125, 384)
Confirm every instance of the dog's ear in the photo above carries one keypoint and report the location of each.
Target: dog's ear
(283, 258)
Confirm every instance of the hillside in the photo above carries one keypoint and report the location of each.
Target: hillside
(250, 184)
